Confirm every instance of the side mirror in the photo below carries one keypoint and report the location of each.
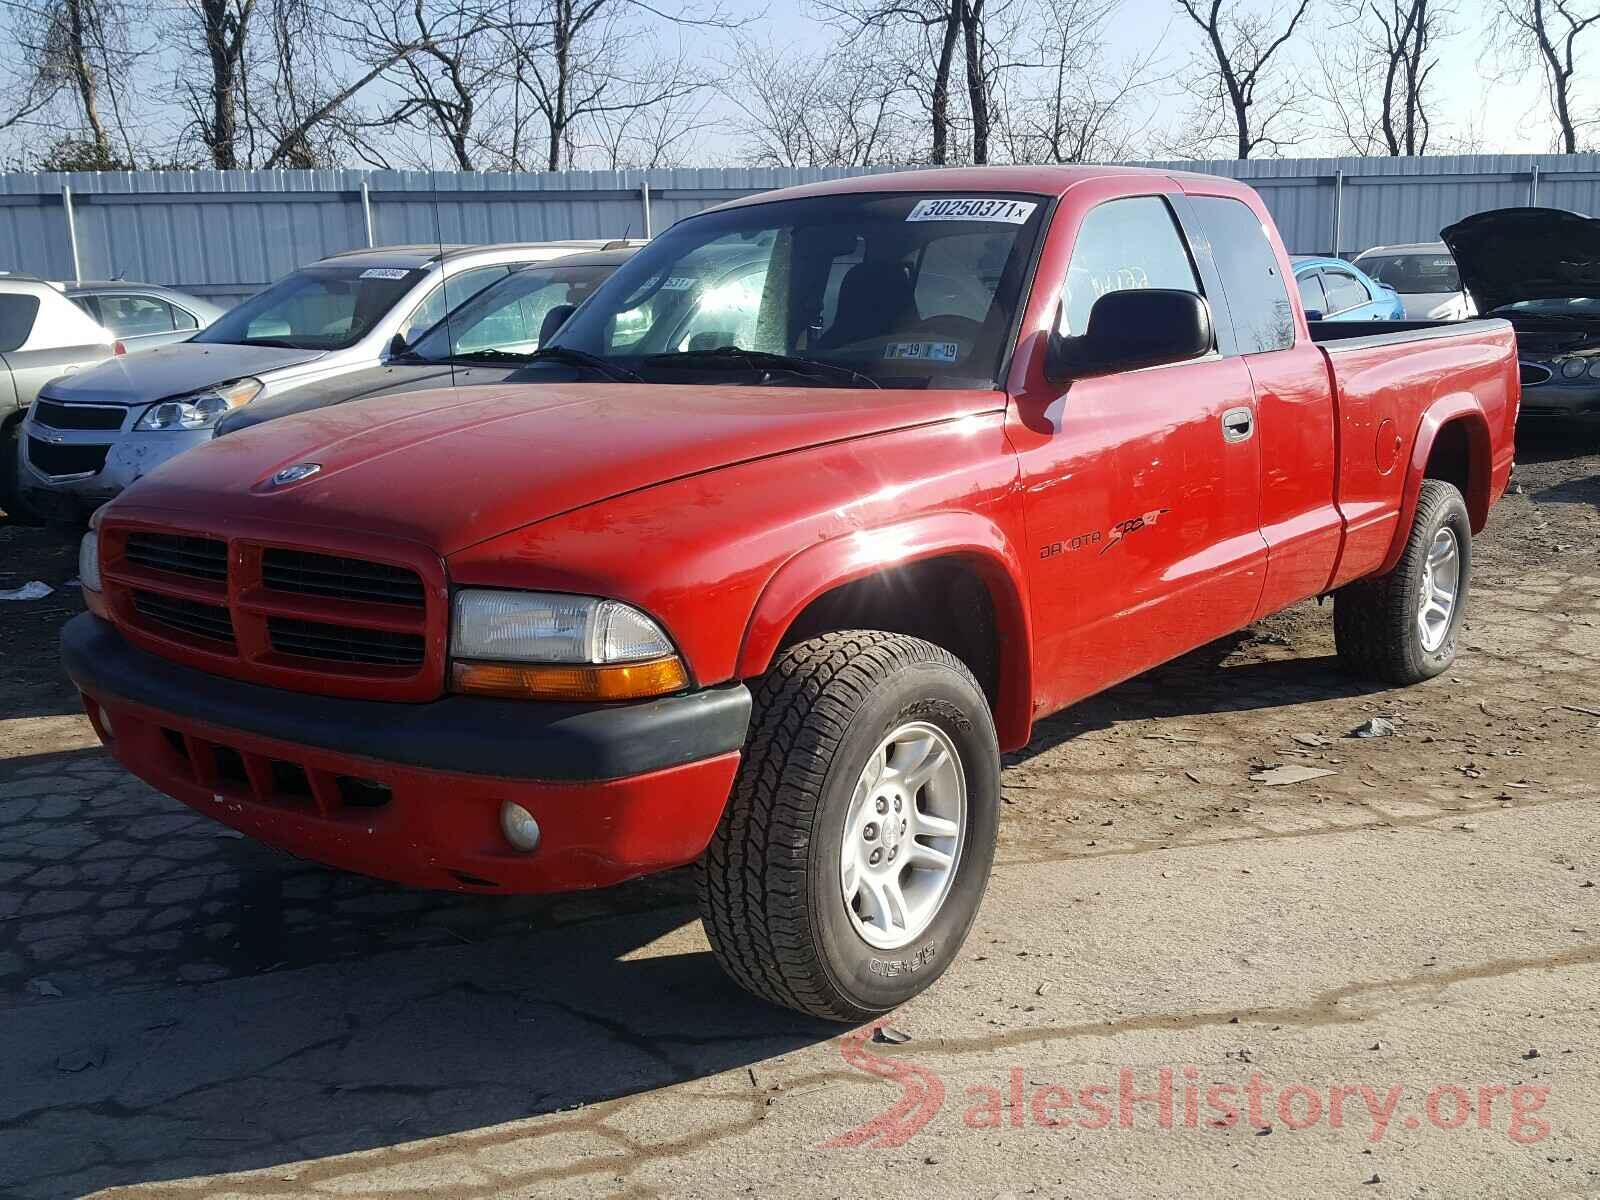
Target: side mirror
(1313, 314)
(554, 320)
(398, 348)
(1141, 327)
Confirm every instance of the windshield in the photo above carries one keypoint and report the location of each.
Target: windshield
(509, 315)
(319, 308)
(904, 290)
(1413, 274)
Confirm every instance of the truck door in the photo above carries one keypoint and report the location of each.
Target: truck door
(1142, 487)
(1294, 402)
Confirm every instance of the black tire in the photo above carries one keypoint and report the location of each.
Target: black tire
(1375, 620)
(10, 498)
(769, 885)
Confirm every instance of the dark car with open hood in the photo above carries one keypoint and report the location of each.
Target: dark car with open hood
(1539, 268)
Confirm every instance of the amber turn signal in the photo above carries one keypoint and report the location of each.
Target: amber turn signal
(546, 681)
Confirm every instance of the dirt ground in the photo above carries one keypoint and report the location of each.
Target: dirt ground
(1388, 973)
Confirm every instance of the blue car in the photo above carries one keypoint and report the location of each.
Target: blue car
(1332, 290)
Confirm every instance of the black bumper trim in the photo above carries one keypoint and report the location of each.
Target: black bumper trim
(471, 735)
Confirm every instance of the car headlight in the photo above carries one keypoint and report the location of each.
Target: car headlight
(89, 560)
(1572, 368)
(555, 647)
(201, 409)
(1594, 368)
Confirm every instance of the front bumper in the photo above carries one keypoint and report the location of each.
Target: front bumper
(413, 792)
(68, 473)
(1558, 397)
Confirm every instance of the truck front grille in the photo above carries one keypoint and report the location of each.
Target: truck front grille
(198, 558)
(345, 643)
(310, 620)
(340, 578)
(66, 459)
(210, 621)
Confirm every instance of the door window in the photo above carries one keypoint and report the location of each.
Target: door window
(449, 294)
(1124, 244)
(136, 316)
(1345, 291)
(1257, 298)
(16, 320)
(1311, 294)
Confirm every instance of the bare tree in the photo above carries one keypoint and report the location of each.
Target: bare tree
(1375, 73)
(217, 30)
(1547, 32)
(1240, 83)
(824, 110)
(1067, 103)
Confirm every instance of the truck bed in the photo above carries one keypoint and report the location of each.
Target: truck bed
(1343, 335)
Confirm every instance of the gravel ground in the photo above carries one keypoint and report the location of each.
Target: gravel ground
(186, 1012)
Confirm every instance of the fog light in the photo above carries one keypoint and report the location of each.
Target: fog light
(517, 823)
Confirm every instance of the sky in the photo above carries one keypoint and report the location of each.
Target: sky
(1504, 114)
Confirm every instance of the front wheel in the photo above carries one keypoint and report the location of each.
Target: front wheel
(856, 846)
(1401, 627)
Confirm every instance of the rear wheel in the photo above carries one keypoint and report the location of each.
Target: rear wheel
(1401, 627)
(857, 843)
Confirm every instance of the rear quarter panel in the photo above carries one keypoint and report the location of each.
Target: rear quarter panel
(1393, 399)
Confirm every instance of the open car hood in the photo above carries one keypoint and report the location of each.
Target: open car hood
(1511, 254)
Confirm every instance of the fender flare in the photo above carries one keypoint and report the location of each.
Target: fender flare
(1457, 408)
(967, 536)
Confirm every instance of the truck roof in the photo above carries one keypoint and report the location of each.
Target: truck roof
(1039, 180)
(421, 254)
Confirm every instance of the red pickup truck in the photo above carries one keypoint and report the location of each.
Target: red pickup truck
(814, 508)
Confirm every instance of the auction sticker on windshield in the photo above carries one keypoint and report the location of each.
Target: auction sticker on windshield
(384, 273)
(943, 352)
(1007, 212)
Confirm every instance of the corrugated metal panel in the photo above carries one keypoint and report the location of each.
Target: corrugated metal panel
(225, 234)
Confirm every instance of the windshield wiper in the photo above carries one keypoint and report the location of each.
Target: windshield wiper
(579, 358)
(489, 354)
(281, 343)
(761, 360)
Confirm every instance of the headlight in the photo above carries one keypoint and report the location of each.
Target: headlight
(89, 560)
(1594, 368)
(199, 410)
(539, 644)
(1572, 368)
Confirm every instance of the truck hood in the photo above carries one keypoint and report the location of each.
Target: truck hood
(450, 469)
(357, 385)
(1511, 254)
(171, 371)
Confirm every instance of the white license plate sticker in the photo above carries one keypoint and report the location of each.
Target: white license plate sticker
(957, 208)
(940, 352)
(385, 273)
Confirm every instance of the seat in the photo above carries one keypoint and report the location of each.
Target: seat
(875, 298)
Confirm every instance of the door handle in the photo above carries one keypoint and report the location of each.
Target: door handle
(1237, 425)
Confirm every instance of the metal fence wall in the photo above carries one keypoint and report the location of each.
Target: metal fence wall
(226, 234)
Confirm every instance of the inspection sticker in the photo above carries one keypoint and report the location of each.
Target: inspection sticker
(385, 273)
(1007, 212)
(941, 352)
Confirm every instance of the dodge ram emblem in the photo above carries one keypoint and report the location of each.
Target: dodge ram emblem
(295, 473)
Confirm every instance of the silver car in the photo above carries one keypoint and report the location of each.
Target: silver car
(1425, 276)
(92, 434)
(142, 316)
(42, 335)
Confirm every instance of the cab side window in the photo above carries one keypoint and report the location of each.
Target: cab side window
(1257, 296)
(1124, 244)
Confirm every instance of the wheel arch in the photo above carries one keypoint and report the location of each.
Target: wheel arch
(1452, 444)
(870, 574)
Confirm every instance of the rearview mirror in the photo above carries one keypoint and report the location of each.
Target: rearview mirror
(1141, 327)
